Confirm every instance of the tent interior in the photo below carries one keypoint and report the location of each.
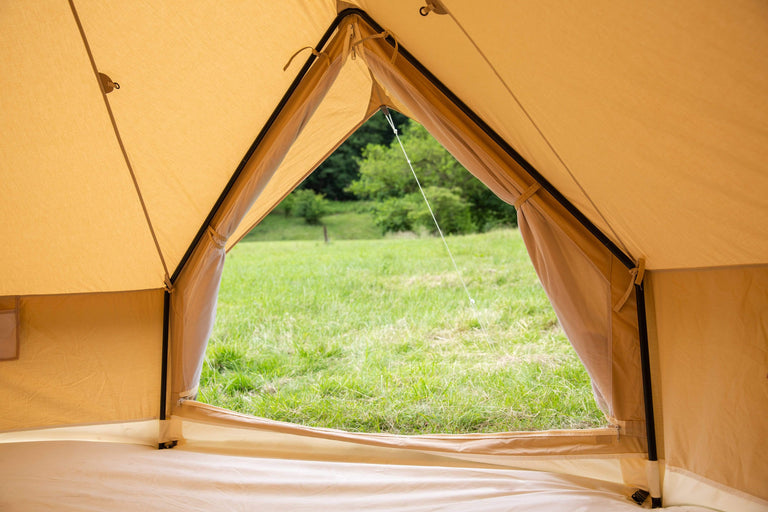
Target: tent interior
(142, 140)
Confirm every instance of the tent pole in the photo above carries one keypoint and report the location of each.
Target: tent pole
(650, 423)
(164, 366)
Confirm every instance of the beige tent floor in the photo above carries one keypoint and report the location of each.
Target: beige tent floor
(71, 475)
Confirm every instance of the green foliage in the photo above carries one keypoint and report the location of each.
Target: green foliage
(385, 174)
(308, 205)
(393, 214)
(340, 169)
(451, 211)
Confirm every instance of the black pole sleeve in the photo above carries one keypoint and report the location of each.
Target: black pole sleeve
(164, 367)
(645, 363)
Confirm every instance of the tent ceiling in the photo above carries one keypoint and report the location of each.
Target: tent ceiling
(660, 115)
(342, 110)
(66, 197)
(659, 111)
(197, 85)
(189, 112)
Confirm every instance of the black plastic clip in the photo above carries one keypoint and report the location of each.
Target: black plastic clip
(640, 496)
(167, 445)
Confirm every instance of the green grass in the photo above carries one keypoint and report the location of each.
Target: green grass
(379, 336)
(345, 221)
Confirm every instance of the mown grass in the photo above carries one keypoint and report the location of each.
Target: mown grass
(379, 336)
(344, 221)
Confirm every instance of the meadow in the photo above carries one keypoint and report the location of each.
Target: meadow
(379, 336)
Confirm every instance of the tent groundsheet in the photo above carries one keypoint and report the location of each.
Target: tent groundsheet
(74, 476)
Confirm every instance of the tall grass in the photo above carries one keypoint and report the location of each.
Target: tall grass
(379, 336)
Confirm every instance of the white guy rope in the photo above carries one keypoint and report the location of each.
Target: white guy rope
(391, 122)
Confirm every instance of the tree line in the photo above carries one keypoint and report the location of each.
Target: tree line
(370, 166)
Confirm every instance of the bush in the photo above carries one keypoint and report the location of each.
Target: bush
(451, 211)
(308, 205)
(384, 174)
(405, 213)
(393, 214)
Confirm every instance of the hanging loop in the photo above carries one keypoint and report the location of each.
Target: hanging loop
(381, 35)
(433, 6)
(314, 52)
(107, 84)
(637, 274)
(217, 238)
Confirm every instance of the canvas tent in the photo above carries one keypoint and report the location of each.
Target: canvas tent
(632, 137)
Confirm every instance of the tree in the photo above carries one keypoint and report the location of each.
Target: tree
(385, 176)
(308, 205)
(340, 169)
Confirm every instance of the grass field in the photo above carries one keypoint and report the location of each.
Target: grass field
(379, 336)
(345, 221)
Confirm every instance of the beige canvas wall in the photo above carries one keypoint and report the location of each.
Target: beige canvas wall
(712, 328)
(83, 359)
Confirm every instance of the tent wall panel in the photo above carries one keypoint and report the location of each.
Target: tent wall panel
(84, 358)
(685, 488)
(713, 349)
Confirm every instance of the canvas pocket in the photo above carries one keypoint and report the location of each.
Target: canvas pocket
(9, 328)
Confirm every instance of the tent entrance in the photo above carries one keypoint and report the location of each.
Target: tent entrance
(308, 331)
(582, 270)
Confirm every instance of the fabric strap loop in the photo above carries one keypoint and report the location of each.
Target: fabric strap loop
(168, 284)
(637, 273)
(314, 52)
(526, 195)
(381, 35)
(218, 239)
